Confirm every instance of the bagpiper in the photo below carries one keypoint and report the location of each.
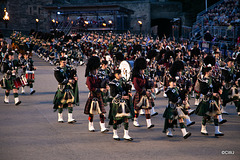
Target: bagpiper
(67, 92)
(228, 72)
(121, 107)
(209, 106)
(174, 110)
(94, 104)
(142, 98)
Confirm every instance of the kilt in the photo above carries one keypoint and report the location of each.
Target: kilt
(63, 97)
(113, 112)
(89, 101)
(205, 109)
(137, 97)
(170, 113)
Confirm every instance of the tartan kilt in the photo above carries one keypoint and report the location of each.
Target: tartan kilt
(113, 112)
(137, 97)
(60, 97)
(170, 113)
(204, 109)
(89, 101)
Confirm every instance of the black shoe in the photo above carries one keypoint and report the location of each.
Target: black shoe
(187, 135)
(206, 134)
(156, 113)
(223, 121)
(33, 92)
(19, 102)
(220, 134)
(106, 130)
(73, 121)
(116, 139)
(60, 121)
(92, 131)
(158, 92)
(192, 123)
(6, 102)
(130, 139)
(151, 126)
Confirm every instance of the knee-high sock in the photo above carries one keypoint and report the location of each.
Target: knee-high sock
(102, 118)
(7, 93)
(126, 126)
(70, 109)
(90, 118)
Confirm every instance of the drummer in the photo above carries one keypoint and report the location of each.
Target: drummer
(10, 70)
(28, 67)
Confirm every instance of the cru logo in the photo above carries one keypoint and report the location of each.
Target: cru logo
(227, 152)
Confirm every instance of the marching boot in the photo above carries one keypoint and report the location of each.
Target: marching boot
(126, 136)
(196, 102)
(70, 119)
(32, 91)
(91, 127)
(169, 132)
(189, 122)
(60, 118)
(217, 132)
(115, 135)
(17, 101)
(204, 130)
(185, 133)
(141, 112)
(153, 113)
(135, 122)
(6, 99)
(103, 128)
(223, 111)
(149, 123)
(23, 91)
(221, 120)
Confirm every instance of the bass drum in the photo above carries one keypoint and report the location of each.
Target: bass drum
(126, 69)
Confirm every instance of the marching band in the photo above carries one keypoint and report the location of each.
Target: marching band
(128, 72)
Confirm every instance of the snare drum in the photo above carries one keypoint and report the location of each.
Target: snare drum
(29, 75)
(17, 83)
(23, 80)
(126, 69)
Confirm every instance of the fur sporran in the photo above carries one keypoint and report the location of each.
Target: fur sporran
(95, 109)
(67, 97)
(180, 112)
(123, 110)
(213, 109)
(143, 103)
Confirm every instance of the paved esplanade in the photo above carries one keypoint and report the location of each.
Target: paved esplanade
(30, 131)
